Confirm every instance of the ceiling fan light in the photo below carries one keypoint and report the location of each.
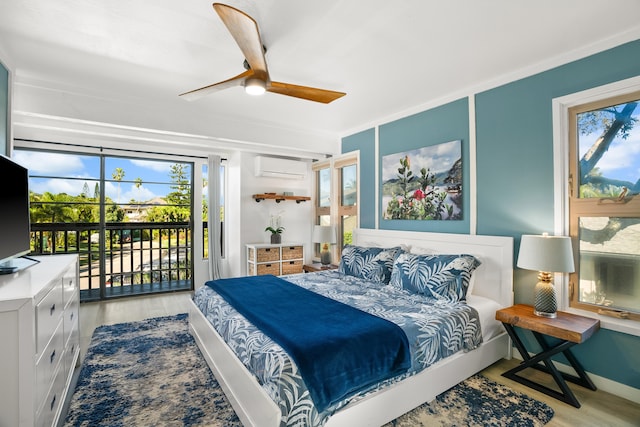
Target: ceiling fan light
(255, 87)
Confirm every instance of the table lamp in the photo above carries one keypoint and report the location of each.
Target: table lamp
(548, 255)
(325, 235)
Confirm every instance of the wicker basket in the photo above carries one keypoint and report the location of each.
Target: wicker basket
(268, 254)
(269, 269)
(292, 267)
(292, 252)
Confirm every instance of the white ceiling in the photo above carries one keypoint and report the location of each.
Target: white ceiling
(392, 58)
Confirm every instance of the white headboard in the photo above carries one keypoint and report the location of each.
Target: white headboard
(493, 278)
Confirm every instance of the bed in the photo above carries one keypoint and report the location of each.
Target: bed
(491, 288)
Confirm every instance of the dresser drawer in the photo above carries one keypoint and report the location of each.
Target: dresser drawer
(46, 414)
(71, 349)
(48, 363)
(269, 269)
(48, 314)
(291, 252)
(69, 285)
(268, 254)
(70, 319)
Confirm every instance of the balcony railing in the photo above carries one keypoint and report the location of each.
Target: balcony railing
(125, 258)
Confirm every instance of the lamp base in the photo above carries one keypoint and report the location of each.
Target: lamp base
(543, 314)
(545, 299)
(325, 258)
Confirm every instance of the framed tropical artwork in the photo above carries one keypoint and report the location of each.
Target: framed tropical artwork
(423, 184)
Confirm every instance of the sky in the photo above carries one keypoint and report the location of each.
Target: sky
(436, 158)
(155, 176)
(622, 160)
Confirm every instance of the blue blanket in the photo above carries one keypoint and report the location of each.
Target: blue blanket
(338, 349)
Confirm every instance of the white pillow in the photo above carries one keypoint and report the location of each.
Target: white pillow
(472, 281)
(406, 248)
(422, 251)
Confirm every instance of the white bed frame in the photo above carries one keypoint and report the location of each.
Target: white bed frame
(493, 279)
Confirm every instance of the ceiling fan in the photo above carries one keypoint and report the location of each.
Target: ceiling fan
(255, 79)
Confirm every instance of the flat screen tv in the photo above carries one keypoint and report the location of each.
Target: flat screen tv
(14, 215)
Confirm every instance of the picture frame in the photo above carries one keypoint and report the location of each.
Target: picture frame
(423, 184)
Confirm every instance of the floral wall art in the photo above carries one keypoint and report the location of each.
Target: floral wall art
(423, 184)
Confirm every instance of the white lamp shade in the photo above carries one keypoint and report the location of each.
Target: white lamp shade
(324, 234)
(552, 254)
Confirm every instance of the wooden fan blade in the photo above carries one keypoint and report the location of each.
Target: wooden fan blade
(203, 91)
(305, 92)
(244, 30)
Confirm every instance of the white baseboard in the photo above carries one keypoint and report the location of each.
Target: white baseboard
(604, 384)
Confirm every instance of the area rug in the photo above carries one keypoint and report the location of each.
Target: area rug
(151, 373)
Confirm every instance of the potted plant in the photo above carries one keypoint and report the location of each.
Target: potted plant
(276, 234)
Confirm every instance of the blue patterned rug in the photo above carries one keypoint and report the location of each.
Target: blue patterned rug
(151, 373)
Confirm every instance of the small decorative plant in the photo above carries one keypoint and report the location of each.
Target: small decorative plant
(276, 233)
(277, 230)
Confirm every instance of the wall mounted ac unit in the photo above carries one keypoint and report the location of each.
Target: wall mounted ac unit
(273, 167)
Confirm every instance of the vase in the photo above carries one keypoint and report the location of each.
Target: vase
(276, 238)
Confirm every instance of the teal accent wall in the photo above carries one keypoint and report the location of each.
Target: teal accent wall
(514, 140)
(514, 134)
(365, 142)
(514, 174)
(4, 109)
(445, 123)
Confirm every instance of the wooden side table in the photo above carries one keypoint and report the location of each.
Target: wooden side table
(316, 266)
(570, 329)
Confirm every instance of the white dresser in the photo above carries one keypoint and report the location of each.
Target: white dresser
(39, 340)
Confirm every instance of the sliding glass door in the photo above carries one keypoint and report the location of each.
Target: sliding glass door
(129, 219)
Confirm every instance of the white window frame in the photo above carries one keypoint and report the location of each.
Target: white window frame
(316, 168)
(560, 111)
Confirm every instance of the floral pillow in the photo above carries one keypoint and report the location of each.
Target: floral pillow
(438, 276)
(373, 264)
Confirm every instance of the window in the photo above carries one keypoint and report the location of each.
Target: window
(348, 209)
(323, 197)
(604, 205)
(128, 219)
(337, 197)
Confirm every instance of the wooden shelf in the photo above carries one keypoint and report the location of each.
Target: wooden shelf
(279, 197)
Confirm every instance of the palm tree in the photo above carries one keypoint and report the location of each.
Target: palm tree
(138, 184)
(117, 175)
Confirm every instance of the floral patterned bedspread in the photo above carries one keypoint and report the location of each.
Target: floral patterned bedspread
(435, 329)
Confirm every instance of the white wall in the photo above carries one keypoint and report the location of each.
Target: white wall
(297, 218)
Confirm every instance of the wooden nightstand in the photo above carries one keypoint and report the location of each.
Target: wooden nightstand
(570, 329)
(316, 266)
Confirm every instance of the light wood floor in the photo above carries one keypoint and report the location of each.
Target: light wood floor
(598, 408)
